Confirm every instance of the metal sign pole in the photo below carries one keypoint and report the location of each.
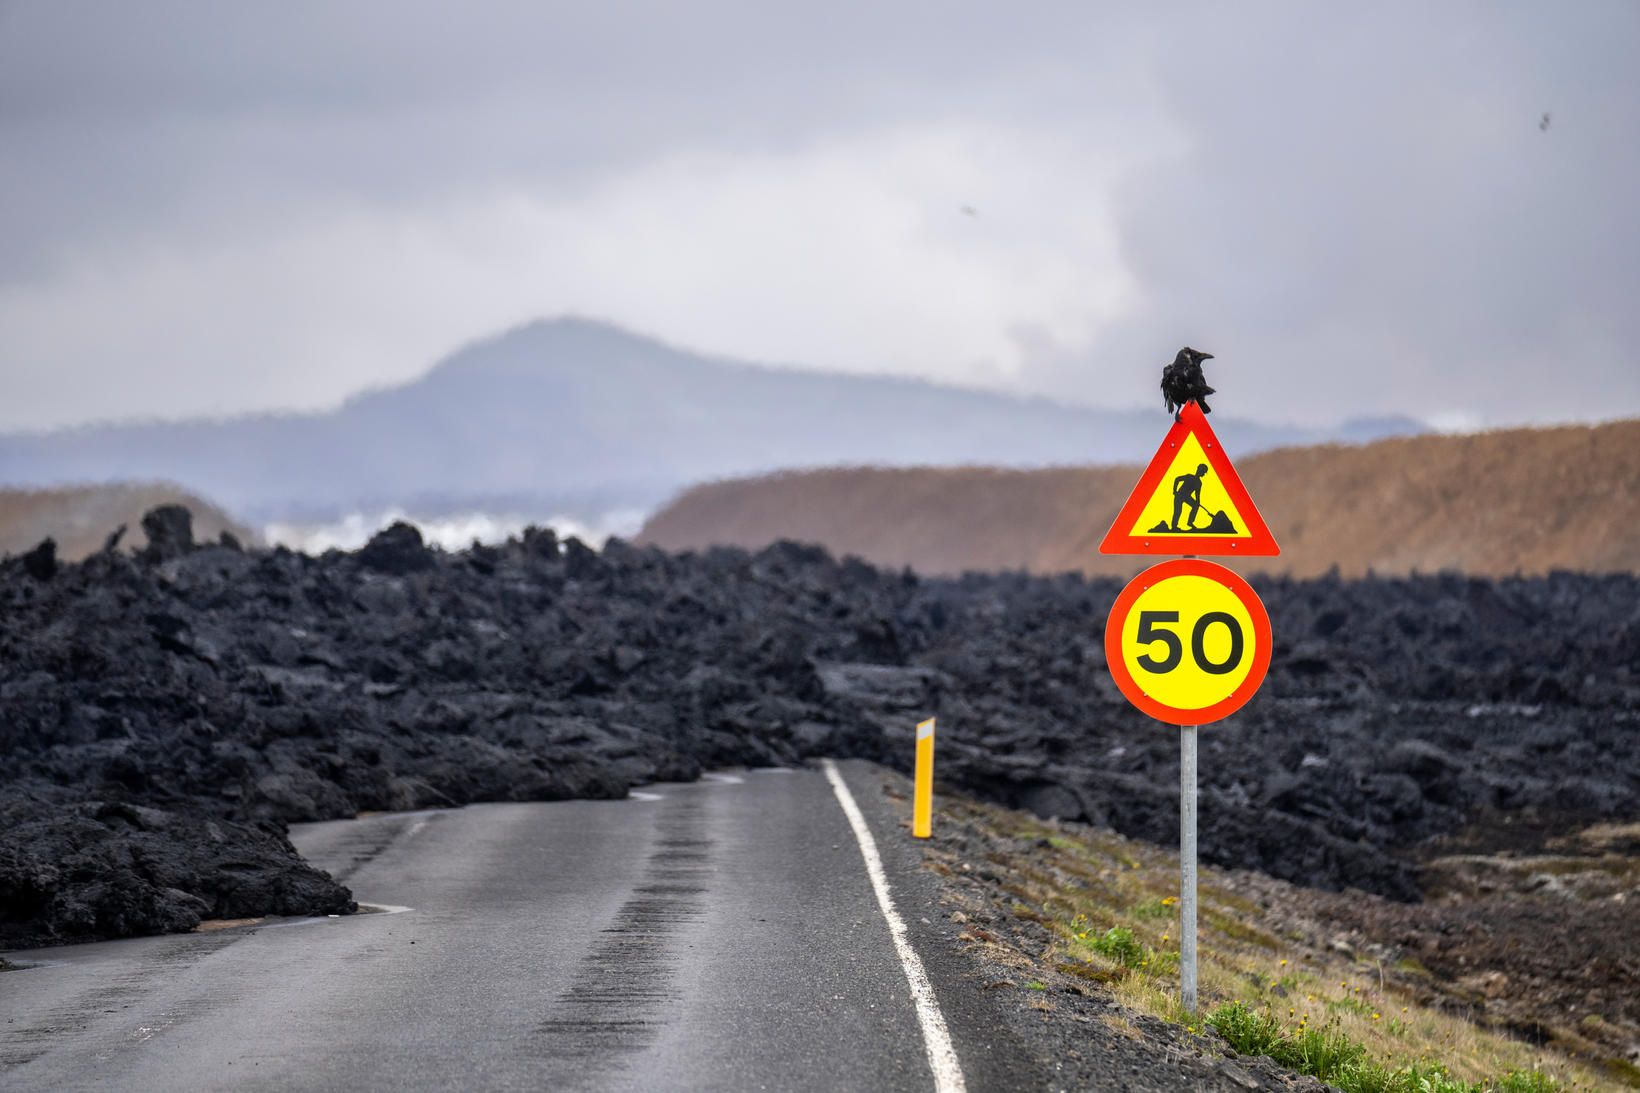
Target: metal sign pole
(1187, 867)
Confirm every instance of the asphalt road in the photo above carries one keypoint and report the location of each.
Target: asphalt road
(724, 935)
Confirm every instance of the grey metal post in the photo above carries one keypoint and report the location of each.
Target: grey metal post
(1187, 867)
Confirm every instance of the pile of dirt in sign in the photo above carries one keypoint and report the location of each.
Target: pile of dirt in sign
(163, 715)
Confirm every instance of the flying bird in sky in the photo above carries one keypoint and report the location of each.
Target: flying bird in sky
(1543, 123)
(1182, 381)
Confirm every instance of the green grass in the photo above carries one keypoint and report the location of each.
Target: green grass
(1351, 1004)
(1326, 1052)
(1526, 1081)
(1120, 947)
(1117, 944)
(1249, 1031)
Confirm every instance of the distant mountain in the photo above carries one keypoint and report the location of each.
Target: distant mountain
(579, 416)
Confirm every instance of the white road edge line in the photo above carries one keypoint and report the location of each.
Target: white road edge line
(942, 1056)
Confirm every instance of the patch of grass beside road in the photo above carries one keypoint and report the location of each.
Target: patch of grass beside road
(1327, 1053)
(1109, 905)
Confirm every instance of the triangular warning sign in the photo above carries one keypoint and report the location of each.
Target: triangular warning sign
(1189, 501)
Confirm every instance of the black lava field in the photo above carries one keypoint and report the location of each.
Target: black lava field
(164, 716)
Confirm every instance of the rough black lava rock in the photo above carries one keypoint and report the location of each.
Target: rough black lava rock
(41, 562)
(397, 549)
(163, 716)
(170, 531)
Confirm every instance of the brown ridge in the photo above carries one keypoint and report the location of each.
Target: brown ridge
(1494, 503)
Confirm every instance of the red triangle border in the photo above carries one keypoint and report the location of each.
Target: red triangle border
(1258, 542)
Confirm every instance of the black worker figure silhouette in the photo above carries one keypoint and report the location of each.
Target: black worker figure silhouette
(1187, 491)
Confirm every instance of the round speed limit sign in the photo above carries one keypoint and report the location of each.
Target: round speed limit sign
(1188, 642)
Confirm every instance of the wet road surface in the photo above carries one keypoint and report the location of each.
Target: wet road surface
(723, 935)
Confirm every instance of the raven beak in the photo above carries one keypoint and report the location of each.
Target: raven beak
(1205, 356)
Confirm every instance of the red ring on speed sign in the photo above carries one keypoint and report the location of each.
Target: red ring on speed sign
(1131, 688)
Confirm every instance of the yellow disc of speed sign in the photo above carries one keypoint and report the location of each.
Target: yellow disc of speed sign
(1188, 642)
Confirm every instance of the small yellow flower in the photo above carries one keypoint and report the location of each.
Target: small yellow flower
(1283, 963)
(1375, 1017)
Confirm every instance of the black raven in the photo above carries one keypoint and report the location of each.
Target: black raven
(1182, 381)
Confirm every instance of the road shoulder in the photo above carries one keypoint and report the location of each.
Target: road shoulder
(1019, 1024)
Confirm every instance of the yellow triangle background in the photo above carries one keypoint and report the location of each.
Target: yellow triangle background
(1159, 508)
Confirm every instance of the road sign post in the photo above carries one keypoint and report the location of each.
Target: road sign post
(1188, 641)
(1187, 867)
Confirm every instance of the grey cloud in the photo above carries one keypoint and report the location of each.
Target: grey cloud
(1369, 217)
(1364, 209)
(146, 117)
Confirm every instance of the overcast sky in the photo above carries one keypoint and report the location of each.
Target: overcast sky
(209, 208)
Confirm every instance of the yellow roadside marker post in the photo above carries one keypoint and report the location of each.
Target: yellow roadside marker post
(922, 802)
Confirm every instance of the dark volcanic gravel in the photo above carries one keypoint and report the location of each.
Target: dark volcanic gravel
(163, 716)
